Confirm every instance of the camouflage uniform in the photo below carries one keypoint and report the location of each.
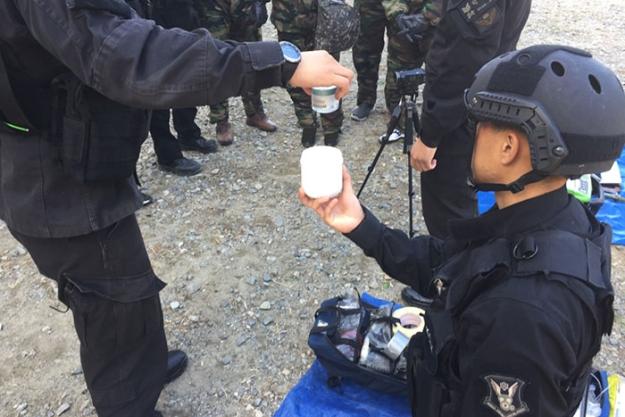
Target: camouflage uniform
(375, 17)
(229, 20)
(295, 22)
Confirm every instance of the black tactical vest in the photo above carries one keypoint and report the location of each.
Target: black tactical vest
(578, 262)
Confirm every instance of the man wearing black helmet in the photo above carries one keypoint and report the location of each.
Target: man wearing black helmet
(522, 294)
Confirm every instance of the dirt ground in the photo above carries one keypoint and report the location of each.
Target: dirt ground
(234, 238)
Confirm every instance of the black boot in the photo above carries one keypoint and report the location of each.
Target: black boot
(331, 139)
(176, 364)
(309, 134)
(413, 298)
(183, 167)
(198, 144)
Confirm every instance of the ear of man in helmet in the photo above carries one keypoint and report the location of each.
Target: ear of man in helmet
(543, 113)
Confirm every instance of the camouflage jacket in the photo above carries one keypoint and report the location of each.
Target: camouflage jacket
(232, 7)
(431, 9)
(294, 15)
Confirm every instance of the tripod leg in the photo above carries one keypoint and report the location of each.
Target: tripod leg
(392, 125)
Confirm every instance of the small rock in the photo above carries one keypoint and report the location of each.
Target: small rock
(265, 305)
(194, 319)
(257, 402)
(242, 339)
(267, 278)
(77, 371)
(193, 287)
(62, 408)
(251, 280)
(267, 321)
(226, 360)
(1, 327)
(175, 305)
(258, 186)
(21, 407)
(215, 171)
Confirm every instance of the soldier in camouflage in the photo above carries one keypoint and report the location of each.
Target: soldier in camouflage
(375, 17)
(238, 20)
(295, 21)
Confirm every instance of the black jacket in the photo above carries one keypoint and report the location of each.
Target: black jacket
(131, 61)
(533, 331)
(471, 33)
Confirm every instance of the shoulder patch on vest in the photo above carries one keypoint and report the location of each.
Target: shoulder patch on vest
(117, 7)
(505, 395)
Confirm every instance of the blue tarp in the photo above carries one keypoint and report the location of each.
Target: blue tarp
(612, 212)
(312, 397)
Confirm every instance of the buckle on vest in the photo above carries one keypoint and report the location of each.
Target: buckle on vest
(525, 249)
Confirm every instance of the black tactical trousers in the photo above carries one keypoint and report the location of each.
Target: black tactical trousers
(106, 279)
(166, 147)
(445, 194)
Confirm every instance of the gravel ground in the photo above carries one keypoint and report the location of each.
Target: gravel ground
(245, 263)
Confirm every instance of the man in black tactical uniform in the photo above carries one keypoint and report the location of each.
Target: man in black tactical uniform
(522, 294)
(74, 76)
(177, 14)
(471, 33)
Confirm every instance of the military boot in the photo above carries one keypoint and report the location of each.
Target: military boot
(309, 134)
(331, 139)
(225, 137)
(262, 122)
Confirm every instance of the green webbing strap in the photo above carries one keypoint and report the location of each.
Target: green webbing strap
(9, 105)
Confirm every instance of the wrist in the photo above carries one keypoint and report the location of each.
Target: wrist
(292, 58)
(288, 69)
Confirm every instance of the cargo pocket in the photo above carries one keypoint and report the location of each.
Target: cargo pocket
(117, 331)
(475, 19)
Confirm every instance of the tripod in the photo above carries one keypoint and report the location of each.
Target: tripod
(406, 110)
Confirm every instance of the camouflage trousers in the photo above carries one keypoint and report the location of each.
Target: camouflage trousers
(306, 117)
(222, 25)
(367, 53)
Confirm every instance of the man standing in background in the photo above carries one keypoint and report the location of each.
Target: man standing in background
(295, 21)
(238, 20)
(180, 14)
(471, 33)
(376, 16)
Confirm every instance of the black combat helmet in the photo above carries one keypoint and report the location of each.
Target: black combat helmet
(338, 26)
(570, 106)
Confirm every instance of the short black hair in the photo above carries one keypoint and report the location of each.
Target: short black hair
(499, 126)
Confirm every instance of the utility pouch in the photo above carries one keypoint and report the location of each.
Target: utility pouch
(98, 139)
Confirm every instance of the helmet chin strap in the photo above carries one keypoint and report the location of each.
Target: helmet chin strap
(514, 187)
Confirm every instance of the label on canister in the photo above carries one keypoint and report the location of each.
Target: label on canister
(324, 99)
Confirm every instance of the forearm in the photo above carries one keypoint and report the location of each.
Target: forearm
(410, 261)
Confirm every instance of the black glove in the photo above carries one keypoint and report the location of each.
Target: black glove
(259, 11)
(413, 27)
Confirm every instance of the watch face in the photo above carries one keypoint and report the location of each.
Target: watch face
(290, 52)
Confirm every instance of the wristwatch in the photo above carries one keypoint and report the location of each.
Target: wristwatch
(292, 58)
